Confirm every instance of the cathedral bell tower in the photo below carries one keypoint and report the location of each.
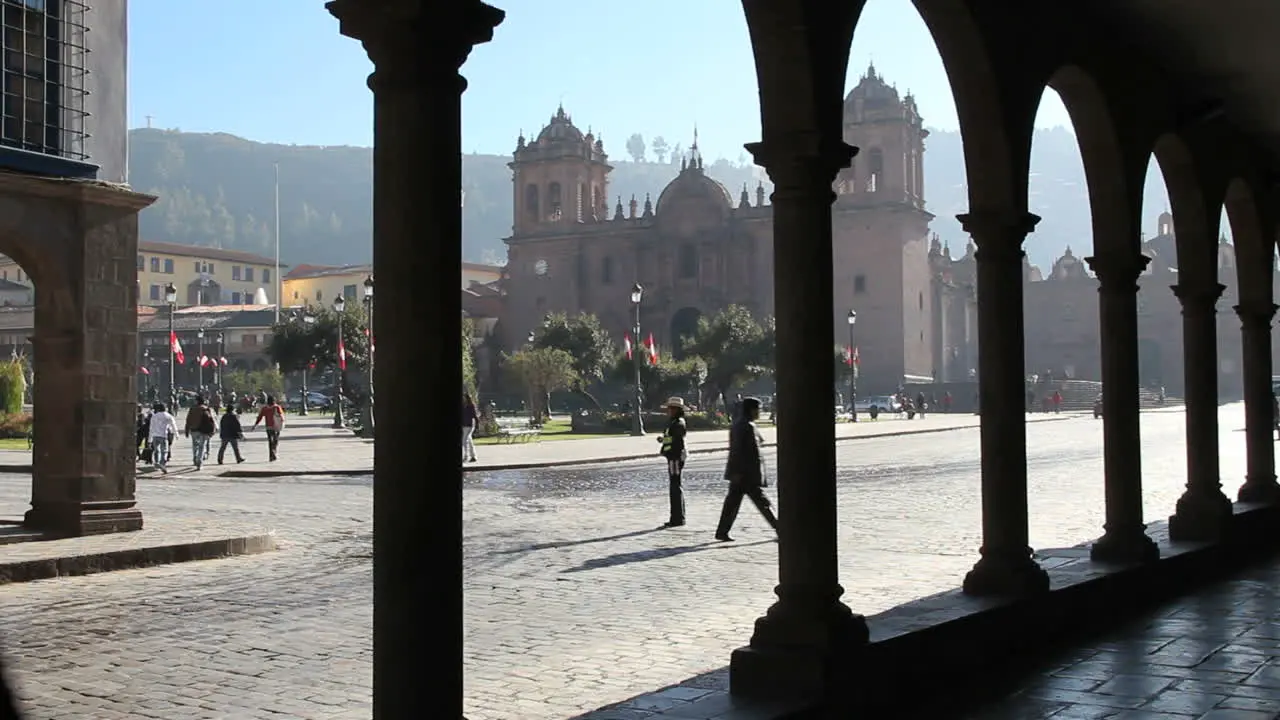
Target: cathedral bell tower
(560, 179)
(887, 128)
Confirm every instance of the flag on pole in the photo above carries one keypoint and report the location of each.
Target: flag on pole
(204, 361)
(652, 348)
(144, 370)
(222, 361)
(176, 348)
(854, 358)
(848, 355)
(626, 344)
(342, 355)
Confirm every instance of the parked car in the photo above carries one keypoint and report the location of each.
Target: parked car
(882, 403)
(315, 400)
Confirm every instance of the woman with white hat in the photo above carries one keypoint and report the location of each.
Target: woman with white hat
(673, 449)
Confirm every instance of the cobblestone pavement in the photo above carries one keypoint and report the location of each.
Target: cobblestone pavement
(574, 599)
(1212, 656)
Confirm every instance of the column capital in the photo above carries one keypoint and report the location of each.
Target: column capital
(1118, 272)
(1256, 312)
(802, 158)
(998, 234)
(1198, 298)
(411, 44)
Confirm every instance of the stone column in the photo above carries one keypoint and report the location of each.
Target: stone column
(417, 231)
(1203, 511)
(1006, 566)
(808, 628)
(1125, 539)
(1259, 427)
(85, 351)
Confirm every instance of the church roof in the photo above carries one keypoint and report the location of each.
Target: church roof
(693, 183)
(873, 87)
(561, 129)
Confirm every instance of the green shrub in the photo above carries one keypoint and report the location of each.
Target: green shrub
(13, 386)
(622, 422)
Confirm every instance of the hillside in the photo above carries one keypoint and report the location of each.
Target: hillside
(218, 190)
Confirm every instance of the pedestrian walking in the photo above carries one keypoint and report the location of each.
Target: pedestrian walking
(470, 418)
(162, 428)
(273, 415)
(673, 449)
(745, 471)
(200, 427)
(230, 433)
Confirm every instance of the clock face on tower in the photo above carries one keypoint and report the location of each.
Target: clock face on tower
(540, 267)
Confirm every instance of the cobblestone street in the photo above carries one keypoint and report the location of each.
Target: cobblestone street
(574, 599)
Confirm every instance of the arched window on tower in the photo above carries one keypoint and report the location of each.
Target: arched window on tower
(531, 201)
(875, 168)
(688, 261)
(554, 201)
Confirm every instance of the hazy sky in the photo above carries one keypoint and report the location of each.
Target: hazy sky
(278, 71)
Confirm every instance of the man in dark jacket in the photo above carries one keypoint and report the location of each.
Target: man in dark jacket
(230, 432)
(744, 470)
(673, 449)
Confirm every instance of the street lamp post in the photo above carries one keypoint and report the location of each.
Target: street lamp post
(853, 377)
(637, 294)
(307, 321)
(217, 365)
(146, 365)
(200, 360)
(339, 304)
(366, 417)
(171, 298)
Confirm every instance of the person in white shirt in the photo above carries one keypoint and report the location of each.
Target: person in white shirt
(162, 429)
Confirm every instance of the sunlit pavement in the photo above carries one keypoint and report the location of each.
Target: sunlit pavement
(575, 600)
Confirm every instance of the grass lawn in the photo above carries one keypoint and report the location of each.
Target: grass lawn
(13, 443)
(553, 430)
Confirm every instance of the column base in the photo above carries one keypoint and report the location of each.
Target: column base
(1200, 516)
(1260, 490)
(797, 651)
(1011, 574)
(1125, 548)
(75, 519)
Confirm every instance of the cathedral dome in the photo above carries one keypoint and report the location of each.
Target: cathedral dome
(873, 90)
(561, 129)
(693, 185)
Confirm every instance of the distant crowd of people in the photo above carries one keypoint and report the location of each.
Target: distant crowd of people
(157, 430)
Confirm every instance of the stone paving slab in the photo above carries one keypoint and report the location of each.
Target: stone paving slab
(574, 599)
(161, 541)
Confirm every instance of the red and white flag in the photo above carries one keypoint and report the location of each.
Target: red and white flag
(848, 355)
(222, 361)
(854, 357)
(144, 370)
(342, 355)
(652, 347)
(626, 344)
(176, 347)
(205, 361)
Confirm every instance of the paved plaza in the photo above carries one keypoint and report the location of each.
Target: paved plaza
(574, 599)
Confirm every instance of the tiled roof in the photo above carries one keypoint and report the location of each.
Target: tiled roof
(315, 271)
(8, 285)
(204, 253)
(18, 317)
(482, 266)
(210, 318)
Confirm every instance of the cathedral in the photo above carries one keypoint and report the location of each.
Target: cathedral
(695, 250)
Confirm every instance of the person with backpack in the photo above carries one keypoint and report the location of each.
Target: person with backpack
(273, 414)
(230, 432)
(200, 427)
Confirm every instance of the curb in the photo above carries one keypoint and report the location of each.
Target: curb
(134, 557)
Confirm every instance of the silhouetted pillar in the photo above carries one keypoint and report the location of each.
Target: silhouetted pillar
(1203, 511)
(417, 174)
(1259, 425)
(1006, 566)
(1125, 539)
(808, 627)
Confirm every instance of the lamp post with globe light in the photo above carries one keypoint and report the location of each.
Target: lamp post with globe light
(853, 375)
(366, 416)
(307, 321)
(637, 294)
(339, 304)
(200, 360)
(171, 299)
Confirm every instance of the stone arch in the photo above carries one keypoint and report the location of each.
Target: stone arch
(1254, 242)
(1194, 217)
(684, 323)
(1114, 184)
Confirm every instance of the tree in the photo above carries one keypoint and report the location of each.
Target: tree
(586, 342)
(733, 346)
(658, 382)
(244, 382)
(540, 371)
(660, 148)
(468, 359)
(635, 147)
(296, 344)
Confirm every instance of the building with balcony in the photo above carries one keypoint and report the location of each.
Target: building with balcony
(234, 338)
(202, 275)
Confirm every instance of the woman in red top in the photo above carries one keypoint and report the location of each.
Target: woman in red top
(273, 414)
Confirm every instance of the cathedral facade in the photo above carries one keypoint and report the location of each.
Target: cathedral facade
(695, 249)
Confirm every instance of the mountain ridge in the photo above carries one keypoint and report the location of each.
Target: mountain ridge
(218, 190)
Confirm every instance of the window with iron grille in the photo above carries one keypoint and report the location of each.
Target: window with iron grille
(42, 107)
